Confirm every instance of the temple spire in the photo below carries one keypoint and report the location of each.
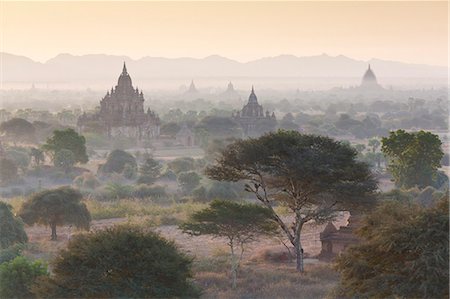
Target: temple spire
(124, 70)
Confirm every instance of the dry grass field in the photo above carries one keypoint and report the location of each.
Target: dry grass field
(266, 271)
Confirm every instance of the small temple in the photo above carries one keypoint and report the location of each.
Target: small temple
(251, 114)
(369, 80)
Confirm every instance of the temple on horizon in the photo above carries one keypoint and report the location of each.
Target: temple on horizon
(122, 112)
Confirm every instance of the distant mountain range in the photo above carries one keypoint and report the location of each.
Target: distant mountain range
(100, 67)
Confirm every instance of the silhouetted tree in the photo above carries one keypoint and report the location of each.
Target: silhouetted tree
(312, 175)
(67, 140)
(56, 207)
(239, 223)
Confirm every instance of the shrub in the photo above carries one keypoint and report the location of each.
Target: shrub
(8, 171)
(86, 181)
(188, 181)
(11, 227)
(182, 164)
(144, 191)
(221, 190)
(117, 160)
(122, 261)
(10, 253)
(17, 277)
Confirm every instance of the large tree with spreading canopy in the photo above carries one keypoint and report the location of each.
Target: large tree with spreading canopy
(313, 176)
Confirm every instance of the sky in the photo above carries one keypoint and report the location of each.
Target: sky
(406, 31)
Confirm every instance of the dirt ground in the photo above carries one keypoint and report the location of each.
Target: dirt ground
(198, 246)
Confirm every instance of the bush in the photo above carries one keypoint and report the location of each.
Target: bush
(144, 191)
(122, 261)
(18, 276)
(86, 181)
(116, 162)
(11, 227)
(221, 190)
(10, 253)
(8, 171)
(182, 165)
(188, 181)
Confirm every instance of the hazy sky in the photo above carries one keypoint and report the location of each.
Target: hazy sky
(406, 31)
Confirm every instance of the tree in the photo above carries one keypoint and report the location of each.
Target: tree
(18, 129)
(67, 140)
(404, 253)
(119, 262)
(11, 227)
(188, 181)
(56, 207)
(18, 276)
(117, 160)
(64, 159)
(37, 155)
(149, 171)
(8, 171)
(313, 176)
(182, 164)
(413, 158)
(239, 223)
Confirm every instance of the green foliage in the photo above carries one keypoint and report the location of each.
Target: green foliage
(117, 160)
(37, 155)
(239, 223)
(188, 181)
(313, 176)
(221, 190)
(86, 181)
(67, 140)
(56, 207)
(11, 227)
(18, 129)
(11, 252)
(146, 191)
(8, 171)
(404, 253)
(119, 262)
(129, 171)
(20, 158)
(413, 157)
(118, 191)
(18, 276)
(149, 172)
(182, 164)
(64, 159)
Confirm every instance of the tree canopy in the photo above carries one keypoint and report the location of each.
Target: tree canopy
(67, 140)
(313, 176)
(119, 262)
(11, 227)
(18, 129)
(117, 160)
(56, 207)
(404, 253)
(413, 158)
(18, 276)
(149, 171)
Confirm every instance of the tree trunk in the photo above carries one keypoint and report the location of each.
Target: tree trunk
(234, 265)
(298, 246)
(53, 226)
